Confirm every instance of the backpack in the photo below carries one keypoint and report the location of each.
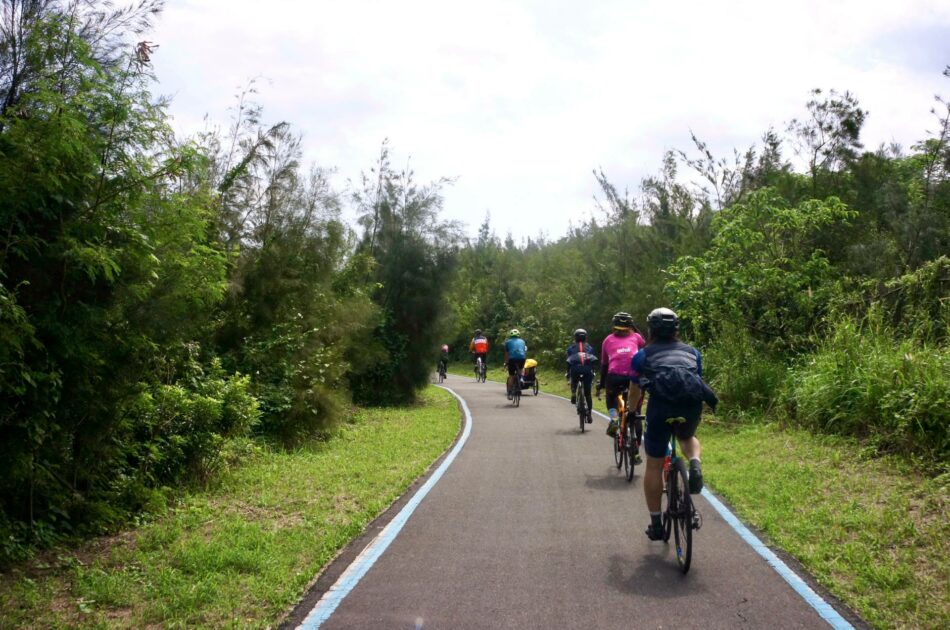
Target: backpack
(679, 384)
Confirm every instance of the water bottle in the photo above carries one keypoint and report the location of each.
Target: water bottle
(667, 463)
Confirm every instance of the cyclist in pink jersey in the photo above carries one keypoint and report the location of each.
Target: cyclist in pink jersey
(616, 354)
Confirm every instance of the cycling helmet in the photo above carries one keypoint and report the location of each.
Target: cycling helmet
(663, 321)
(478, 332)
(514, 333)
(580, 335)
(623, 321)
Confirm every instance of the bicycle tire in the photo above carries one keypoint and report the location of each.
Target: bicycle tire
(683, 518)
(629, 464)
(669, 497)
(535, 388)
(581, 406)
(618, 452)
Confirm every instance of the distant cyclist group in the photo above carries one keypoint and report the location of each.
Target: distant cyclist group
(628, 365)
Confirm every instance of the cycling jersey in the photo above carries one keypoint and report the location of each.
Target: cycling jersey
(478, 345)
(617, 352)
(516, 348)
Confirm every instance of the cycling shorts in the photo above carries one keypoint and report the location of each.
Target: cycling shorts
(659, 431)
(515, 364)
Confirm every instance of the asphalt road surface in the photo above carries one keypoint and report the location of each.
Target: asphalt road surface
(533, 526)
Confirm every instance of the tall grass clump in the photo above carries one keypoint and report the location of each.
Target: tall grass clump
(744, 375)
(862, 381)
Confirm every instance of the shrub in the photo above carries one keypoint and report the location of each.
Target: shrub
(743, 373)
(863, 382)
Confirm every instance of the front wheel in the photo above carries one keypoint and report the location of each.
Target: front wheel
(682, 516)
(618, 452)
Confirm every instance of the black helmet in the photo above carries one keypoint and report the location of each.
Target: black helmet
(663, 321)
(623, 320)
(580, 335)
(478, 331)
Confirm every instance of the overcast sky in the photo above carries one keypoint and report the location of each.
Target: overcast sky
(521, 99)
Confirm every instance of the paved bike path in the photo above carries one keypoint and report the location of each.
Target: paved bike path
(533, 526)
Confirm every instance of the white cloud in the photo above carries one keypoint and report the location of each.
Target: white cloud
(521, 100)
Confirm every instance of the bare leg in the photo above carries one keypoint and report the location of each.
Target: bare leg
(690, 448)
(653, 483)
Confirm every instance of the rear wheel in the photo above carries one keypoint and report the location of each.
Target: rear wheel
(581, 407)
(629, 447)
(682, 516)
(535, 387)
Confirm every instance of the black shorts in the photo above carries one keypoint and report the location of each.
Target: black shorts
(616, 385)
(483, 355)
(659, 431)
(515, 364)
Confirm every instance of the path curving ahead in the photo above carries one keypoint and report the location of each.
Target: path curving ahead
(532, 526)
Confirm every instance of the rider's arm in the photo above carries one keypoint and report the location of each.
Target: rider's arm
(638, 360)
(699, 361)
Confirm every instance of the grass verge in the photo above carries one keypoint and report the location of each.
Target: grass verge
(872, 530)
(242, 554)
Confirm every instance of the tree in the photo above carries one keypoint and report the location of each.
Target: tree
(414, 253)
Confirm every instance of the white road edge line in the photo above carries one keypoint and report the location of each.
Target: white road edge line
(365, 560)
(813, 599)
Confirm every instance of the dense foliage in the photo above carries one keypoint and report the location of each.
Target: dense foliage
(820, 295)
(160, 296)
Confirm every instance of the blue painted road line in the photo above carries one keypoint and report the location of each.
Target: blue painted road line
(823, 608)
(363, 562)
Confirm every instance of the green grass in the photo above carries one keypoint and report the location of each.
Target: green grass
(872, 530)
(242, 554)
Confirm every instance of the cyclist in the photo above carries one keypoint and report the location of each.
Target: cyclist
(516, 352)
(580, 367)
(672, 373)
(615, 371)
(444, 359)
(478, 346)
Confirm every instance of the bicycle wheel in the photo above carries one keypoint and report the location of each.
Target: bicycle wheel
(535, 388)
(682, 516)
(441, 376)
(628, 463)
(582, 410)
(618, 451)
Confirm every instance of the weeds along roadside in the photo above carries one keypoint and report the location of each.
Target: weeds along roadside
(245, 551)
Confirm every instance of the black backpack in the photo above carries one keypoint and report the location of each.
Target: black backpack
(679, 384)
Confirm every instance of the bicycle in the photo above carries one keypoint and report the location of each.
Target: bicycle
(680, 516)
(515, 392)
(629, 435)
(583, 413)
(442, 370)
(481, 370)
